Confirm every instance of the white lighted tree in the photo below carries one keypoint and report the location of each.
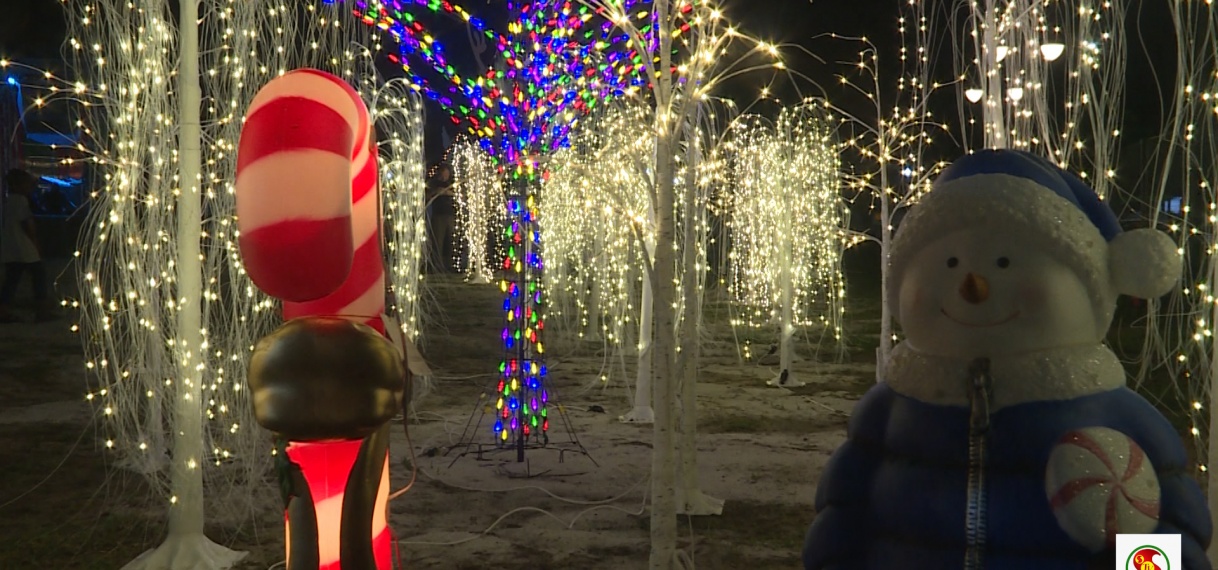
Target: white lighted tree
(479, 197)
(1176, 179)
(787, 219)
(169, 316)
(696, 32)
(594, 203)
(397, 111)
(1048, 76)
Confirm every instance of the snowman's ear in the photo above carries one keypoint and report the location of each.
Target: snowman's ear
(1143, 263)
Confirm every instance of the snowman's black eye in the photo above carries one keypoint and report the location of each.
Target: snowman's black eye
(952, 262)
(1004, 262)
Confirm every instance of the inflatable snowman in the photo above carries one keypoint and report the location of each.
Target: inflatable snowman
(1003, 436)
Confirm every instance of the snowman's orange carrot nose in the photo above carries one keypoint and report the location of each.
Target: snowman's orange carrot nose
(975, 289)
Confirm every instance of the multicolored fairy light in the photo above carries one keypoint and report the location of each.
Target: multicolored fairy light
(522, 414)
(555, 65)
(558, 61)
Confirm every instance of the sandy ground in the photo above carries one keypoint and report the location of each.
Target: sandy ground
(761, 449)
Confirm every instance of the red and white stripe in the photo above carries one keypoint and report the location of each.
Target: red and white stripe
(307, 198)
(307, 212)
(326, 467)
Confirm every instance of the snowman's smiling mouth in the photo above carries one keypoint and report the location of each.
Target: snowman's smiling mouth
(980, 325)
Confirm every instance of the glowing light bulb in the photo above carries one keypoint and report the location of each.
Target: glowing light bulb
(1052, 51)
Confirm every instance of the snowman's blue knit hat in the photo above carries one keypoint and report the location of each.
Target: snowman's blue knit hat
(1045, 174)
(1016, 193)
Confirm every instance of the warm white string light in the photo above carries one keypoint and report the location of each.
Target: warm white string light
(1069, 109)
(596, 208)
(126, 55)
(787, 220)
(397, 111)
(1180, 339)
(479, 199)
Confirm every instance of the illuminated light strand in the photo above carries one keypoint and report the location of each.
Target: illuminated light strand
(555, 68)
(128, 254)
(1179, 346)
(1012, 85)
(787, 217)
(522, 397)
(397, 112)
(595, 202)
(479, 199)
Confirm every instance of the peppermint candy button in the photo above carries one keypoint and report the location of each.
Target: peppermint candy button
(1100, 483)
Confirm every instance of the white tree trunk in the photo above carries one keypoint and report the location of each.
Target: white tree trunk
(690, 499)
(786, 348)
(592, 306)
(663, 459)
(186, 547)
(886, 316)
(642, 412)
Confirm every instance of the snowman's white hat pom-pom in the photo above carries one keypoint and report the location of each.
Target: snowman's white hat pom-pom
(1143, 263)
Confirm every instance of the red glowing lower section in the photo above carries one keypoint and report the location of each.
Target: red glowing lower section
(326, 468)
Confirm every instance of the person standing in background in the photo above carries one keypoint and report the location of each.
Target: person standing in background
(19, 249)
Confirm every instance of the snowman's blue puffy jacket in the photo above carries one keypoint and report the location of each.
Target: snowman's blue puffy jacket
(894, 495)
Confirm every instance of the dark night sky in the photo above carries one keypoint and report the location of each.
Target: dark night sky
(33, 30)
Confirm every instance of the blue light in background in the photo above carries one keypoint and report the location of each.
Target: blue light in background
(10, 80)
(60, 181)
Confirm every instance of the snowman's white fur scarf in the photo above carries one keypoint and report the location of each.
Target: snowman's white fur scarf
(1055, 374)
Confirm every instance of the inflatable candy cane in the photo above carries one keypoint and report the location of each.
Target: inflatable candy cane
(327, 382)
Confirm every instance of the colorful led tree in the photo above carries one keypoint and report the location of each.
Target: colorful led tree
(522, 413)
(557, 61)
(479, 206)
(788, 219)
(552, 68)
(170, 315)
